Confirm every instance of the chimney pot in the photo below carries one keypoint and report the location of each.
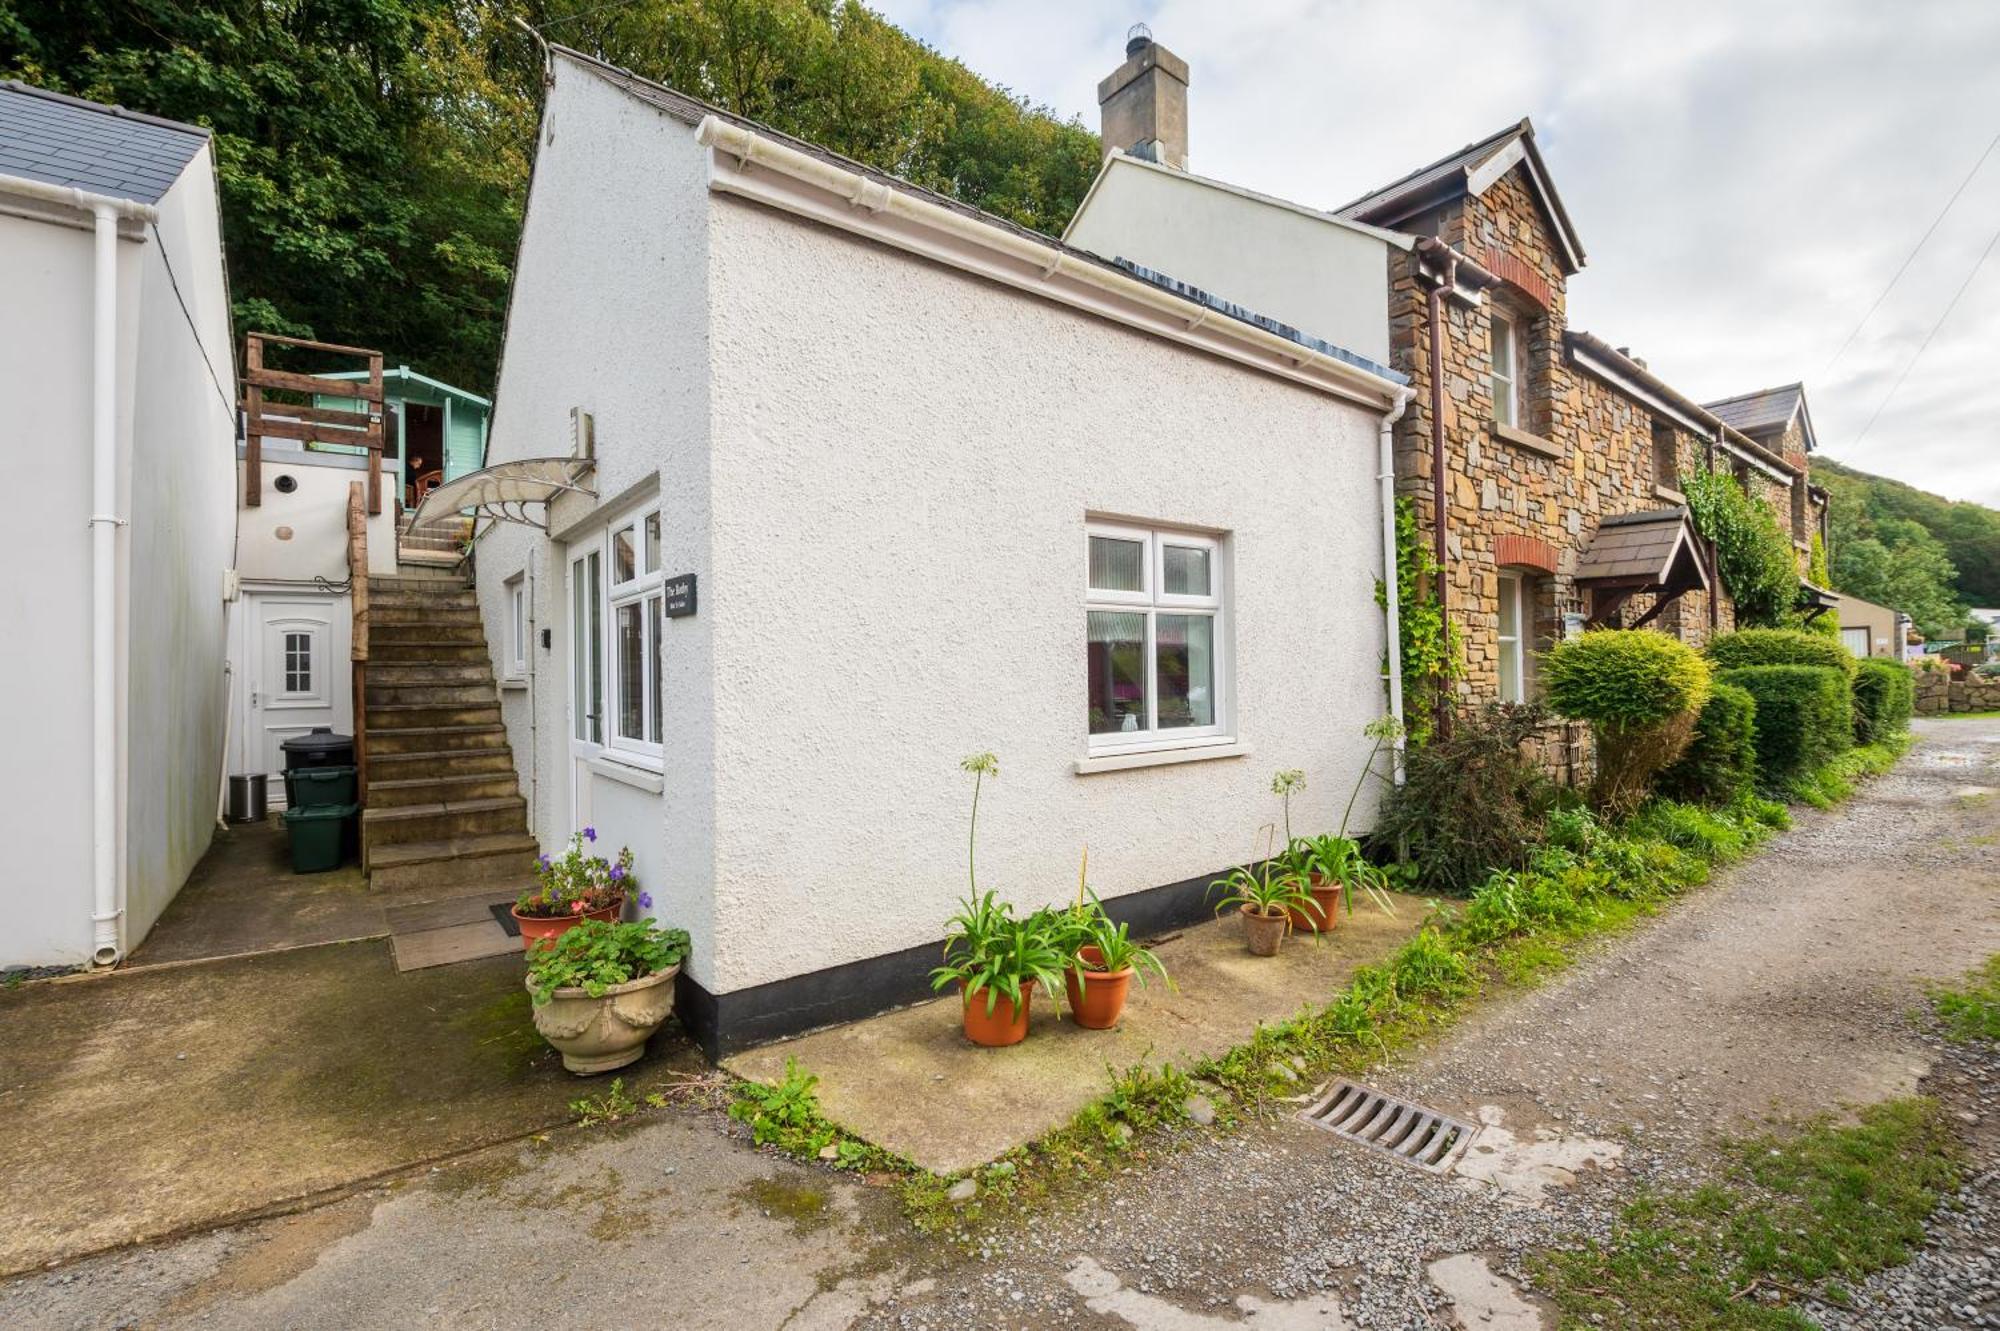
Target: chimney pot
(1143, 103)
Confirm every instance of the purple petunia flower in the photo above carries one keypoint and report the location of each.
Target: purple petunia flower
(545, 861)
(590, 834)
(645, 901)
(617, 872)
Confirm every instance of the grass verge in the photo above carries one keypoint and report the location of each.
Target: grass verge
(1971, 1010)
(1835, 782)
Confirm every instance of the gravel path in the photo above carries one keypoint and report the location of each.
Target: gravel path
(1783, 988)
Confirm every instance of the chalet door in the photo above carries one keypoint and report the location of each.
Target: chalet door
(1855, 640)
(298, 676)
(586, 678)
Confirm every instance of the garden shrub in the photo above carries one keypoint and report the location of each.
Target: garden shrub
(1640, 690)
(1720, 763)
(1805, 717)
(1885, 694)
(1471, 802)
(1756, 647)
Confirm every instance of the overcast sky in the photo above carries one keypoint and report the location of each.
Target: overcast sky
(1746, 176)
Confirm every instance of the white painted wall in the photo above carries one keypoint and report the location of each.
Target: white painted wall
(1323, 276)
(903, 460)
(301, 536)
(45, 270)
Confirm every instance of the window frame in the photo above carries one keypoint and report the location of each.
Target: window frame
(1513, 586)
(1151, 601)
(1497, 320)
(517, 626)
(646, 590)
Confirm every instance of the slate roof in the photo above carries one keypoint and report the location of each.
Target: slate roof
(1451, 176)
(1765, 410)
(1642, 550)
(107, 150)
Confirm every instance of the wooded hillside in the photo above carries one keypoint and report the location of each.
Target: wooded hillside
(1916, 551)
(374, 157)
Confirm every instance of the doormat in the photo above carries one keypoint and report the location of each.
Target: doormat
(503, 911)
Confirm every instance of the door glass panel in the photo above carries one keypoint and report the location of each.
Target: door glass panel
(624, 555)
(1184, 569)
(1186, 655)
(1117, 665)
(298, 663)
(587, 647)
(630, 625)
(1117, 565)
(652, 543)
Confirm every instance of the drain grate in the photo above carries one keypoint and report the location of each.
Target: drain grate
(1407, 1131)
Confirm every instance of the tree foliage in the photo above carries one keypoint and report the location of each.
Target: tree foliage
(1753, 552)
(373, 157)
(1919, 553)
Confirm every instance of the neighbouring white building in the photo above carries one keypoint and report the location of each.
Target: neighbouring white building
(871, 481)
(117, 392)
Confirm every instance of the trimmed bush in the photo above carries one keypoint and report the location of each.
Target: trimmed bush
(1805, 718)
(1758, 647)
(1885, 694)
(1471, 802)
(1720, 764)
(1640, 690)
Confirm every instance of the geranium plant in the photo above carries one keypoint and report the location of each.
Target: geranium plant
(598, 955)
(577, 883)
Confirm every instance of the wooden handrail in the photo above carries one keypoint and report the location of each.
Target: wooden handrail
(357, 583)
(311, 345)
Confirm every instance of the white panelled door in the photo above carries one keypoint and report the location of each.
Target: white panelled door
(298, 676)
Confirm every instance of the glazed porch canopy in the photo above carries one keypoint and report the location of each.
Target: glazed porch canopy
(1633, 553)
(503, 491)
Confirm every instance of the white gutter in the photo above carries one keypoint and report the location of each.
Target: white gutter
(1385, 479)
(107, 909)
(864, 206)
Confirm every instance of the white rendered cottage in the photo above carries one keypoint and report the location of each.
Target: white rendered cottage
(117, 395)
(880, 481)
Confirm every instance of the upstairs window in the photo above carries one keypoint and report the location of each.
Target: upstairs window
(1153, 611)
(1506, 370)
(1666, 457)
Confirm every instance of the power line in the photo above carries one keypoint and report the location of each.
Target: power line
(1979, 263)
(1910, 258)
(227, 405)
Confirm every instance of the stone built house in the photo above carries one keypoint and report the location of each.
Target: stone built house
(1543, 462)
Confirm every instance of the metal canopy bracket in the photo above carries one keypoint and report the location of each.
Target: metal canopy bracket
(504, 491)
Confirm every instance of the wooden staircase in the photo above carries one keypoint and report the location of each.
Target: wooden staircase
(444, 814)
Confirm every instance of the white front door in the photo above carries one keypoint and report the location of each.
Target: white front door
(586, 678)
(1855, 640)
(298, 676)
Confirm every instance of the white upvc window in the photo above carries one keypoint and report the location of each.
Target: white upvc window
(1155, 645)
(635, 612)
(1506, 370)
(517, 627)
(1513, 659)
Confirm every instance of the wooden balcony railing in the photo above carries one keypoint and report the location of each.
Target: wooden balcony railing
(304, 422)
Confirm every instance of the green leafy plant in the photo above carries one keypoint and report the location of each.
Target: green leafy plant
(1471, 802)
(576, 883)
(1719, 765)
(1639, 690)
(596, 955)
(1805, 717)
(1754, 647)
(1339, 859)
(1753, 552)
(1428, 639)
(1117, 950)
(613, 1105)
(1885, 694)
(1269, 887)
(989, 951)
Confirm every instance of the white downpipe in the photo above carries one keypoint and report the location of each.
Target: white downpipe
(1385, 480)
(107, 910)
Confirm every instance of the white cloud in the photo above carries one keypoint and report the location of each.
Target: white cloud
(1745, 176)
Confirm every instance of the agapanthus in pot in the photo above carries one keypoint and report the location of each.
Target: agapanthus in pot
(602, 989)
(572, 887)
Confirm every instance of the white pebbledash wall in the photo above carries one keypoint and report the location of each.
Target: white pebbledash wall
(175, 488)
(880, 469)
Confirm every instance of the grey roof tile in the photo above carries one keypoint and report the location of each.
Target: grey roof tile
(103, 149)
(1765, 409)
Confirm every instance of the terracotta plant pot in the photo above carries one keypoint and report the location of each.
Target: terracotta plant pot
(599, 1034)
(1000, 1027)
(535, 928)
(1324, 913)
(1264, 932)
(1096, 997)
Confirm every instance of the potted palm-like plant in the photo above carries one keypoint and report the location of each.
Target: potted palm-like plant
(571, 888)
(601, 989)
(1101, 971)
(1265, 894)
(996, 961)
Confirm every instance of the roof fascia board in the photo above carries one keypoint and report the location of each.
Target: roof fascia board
(762, 170)
(1587, 359)
(1745, 455)
(1698, 420)
(1558, 218)
(407, 374)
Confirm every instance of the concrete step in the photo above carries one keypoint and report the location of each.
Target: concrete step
(446, 694)
(385, 740)
(437, 867)
(416, 579)
(431, 764)
(397, 674)
(446, 787)
(423, 630)
(408, 559)
(425, 651)
(393, 825)
(449, 595)
(381, 616)
(403, 715)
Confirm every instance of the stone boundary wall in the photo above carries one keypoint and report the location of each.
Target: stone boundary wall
(1936, 696)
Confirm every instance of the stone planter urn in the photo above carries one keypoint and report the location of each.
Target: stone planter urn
(599, 1034)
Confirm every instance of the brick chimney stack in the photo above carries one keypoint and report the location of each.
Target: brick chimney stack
(1143, 104)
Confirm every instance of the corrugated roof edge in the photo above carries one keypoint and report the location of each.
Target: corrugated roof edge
(103, 108)
(692, 110)
(1256, 320)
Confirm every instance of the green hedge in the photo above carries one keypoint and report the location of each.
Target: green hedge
(1804, 718)
(1885, 694)
(1759, 647)
(1624, 678)
(1720, 764)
